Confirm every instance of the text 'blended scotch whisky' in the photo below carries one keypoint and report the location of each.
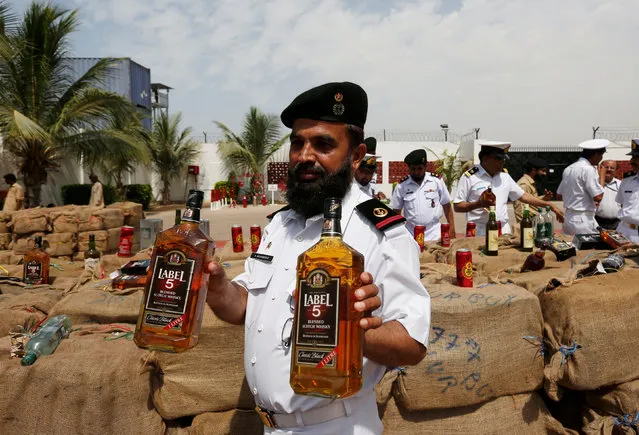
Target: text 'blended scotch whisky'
(327, 351)
(175, 291)
(36, 264)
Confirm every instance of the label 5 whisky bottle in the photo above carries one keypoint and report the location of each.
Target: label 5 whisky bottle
(327, 351)
(175, 292)
(36, 264)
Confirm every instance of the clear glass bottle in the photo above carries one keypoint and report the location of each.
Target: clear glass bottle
(36, 264)
(548, 221)
(46, 339)
(540, 226)
(328, 342)
(175, 292)
(492, 234)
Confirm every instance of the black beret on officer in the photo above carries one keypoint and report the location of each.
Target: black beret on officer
(370, 159)
(343, 102)
(417, 157)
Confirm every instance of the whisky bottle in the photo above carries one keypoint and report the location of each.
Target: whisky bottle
(92, 258)
(488, 194)
(327, 349)
(175, 292)
(178, 217)
(492, 233)
(36, 264)
(526, 231)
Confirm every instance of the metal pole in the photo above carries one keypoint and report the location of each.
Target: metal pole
(594, 132)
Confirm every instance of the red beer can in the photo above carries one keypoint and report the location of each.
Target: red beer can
(236, 236)
(499, 228)
(464, 262)
(256, 237)
(471, 229)
(419, 236)
(126, 241)
(446, 235)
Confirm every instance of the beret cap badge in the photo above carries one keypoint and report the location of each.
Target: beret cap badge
(339, 97)
(338, 109)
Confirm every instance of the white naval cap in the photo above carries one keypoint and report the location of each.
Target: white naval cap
(594, 144)
(495, 144)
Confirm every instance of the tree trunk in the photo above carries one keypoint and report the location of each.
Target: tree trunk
(166, 192)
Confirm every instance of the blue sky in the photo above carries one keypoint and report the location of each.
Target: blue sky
(532, 72)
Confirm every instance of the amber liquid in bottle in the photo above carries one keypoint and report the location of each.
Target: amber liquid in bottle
(327, 345)
(175, 292)
(492, 234)
(36, 265)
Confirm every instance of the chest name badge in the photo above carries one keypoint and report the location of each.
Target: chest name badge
(263, 257)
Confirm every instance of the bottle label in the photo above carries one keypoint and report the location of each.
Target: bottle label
(493, 244)
(33, 272)
(528, 238)
(92, 265)
(169, 290)
(317, 319)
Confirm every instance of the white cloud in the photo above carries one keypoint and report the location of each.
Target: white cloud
(532, 72)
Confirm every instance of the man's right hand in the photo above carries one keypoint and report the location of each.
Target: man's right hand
(484, 203)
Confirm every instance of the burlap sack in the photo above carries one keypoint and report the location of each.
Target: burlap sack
(436, 273)
(132, 211)
(518, 414)
(113, 239)
(112, 262)
(60, 244)
(233, 268)
(227, 254)
(89, 385)
(21, 243)
(234, 422)
(101, 240)
(206, 378)
(8, 257)
(97, 302)
(20, 305)
(30, 221)
(111, 218)
(5, 240)
(64, 219)
(5, 219)
(536, 282)
(614, 410)
(592, 328)
(478, 348)
(89, 218)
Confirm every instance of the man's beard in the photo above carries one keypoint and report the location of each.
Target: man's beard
(308, 198)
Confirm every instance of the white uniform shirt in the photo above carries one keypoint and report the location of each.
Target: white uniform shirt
(473, 183)
(609, 208)
(392, 258)
(422, 203)
(579, 184)
(628, 199)
(368, 189)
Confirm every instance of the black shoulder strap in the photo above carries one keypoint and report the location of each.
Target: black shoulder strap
(404, 179)
(379, 214)
(471, 171)
(629, 174)
(272, 215)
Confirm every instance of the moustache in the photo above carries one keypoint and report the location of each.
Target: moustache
(308, 168)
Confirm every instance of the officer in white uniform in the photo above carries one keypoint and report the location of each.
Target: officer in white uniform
(423, 197)
(490, 173)
(365, 174)
(261, 297)
(582, 190)
(628, 198)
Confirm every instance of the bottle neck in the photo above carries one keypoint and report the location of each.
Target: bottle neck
(331, 228)
(191, 214)
(178, 217)
(91, 245)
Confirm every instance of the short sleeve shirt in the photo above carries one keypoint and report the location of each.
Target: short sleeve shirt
(628, 199)
(422, 202)
(392, 258)
(475, 181)
(15, 194)
(579, 185)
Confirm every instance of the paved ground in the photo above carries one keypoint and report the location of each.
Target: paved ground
(220, 221)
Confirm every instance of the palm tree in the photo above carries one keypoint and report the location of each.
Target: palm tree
(449, 167)
(171, 151)
(45, 116)
(249, 151)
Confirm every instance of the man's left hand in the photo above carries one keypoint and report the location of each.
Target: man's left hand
(367, 301)
(548, 195)
(558, 213)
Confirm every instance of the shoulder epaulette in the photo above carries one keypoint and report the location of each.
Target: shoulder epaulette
(272, 215)
(379, 214)
(504, 170)
(629, 174)
(404, 179)
(432, 174)
(471, 171)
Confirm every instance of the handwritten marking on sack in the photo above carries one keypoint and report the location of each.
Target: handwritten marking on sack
(476, 298)
(471, 351)
(108, 299)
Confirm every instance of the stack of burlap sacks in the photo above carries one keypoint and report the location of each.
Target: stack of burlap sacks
(492, 348)
(65, 230)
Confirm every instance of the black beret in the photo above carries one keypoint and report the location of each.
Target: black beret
(334, 102)
(369, 162)
(371, 145)
(634, 148)
(536, 162)
(416, 157)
